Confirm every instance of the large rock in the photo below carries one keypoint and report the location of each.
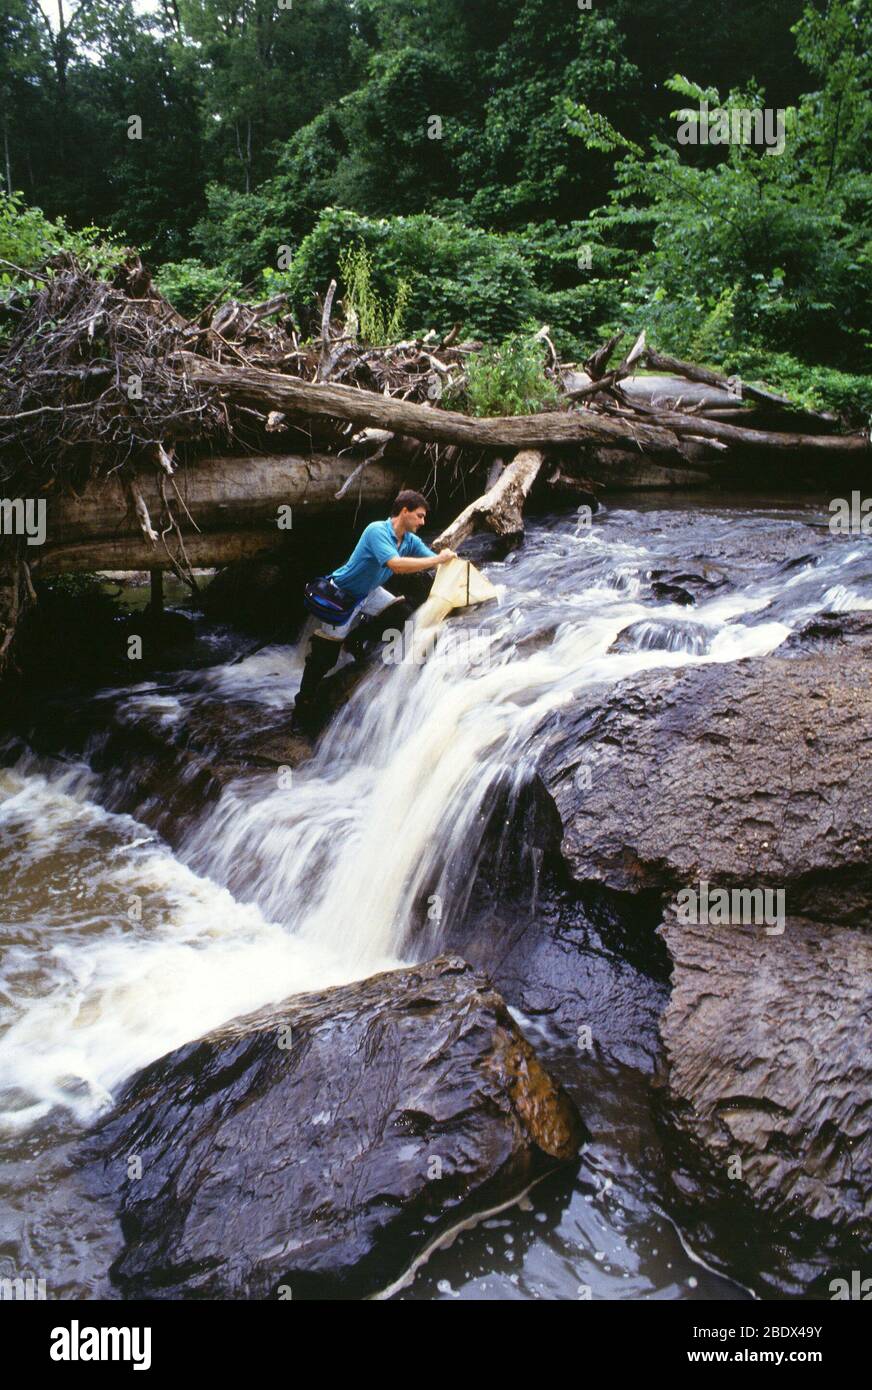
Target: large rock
(319, 1147)
(767, 1045)
(750, 775)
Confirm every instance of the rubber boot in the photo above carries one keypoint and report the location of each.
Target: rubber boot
(322, 657)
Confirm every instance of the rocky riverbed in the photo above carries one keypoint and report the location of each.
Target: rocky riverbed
(749, 778)
(676, 697)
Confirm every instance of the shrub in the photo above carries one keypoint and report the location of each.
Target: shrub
(510, 379)
(846, 394)
(455, 273)
(28, 238)
(378, 322)
(241, 232)
(190, 285)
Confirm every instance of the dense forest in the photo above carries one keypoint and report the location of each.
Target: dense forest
(502, 163)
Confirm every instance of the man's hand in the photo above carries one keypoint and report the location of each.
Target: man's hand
(444, 556)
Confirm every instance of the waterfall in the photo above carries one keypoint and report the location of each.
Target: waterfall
(117, 949)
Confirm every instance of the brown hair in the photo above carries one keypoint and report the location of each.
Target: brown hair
(410, 500)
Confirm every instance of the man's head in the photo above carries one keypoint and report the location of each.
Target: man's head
(411, 508)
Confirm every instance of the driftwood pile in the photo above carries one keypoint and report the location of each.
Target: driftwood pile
(94, 373)
(86, 383)
(104, 379)
(98, 374)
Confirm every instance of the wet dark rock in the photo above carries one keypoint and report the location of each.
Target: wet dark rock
(572, 958)
(278, 747)
(397, 1108)
(733, 542)
(745, 773)
(279, 744)
(648, 635)
(259, 595)
(163, 785)
(672, 593)
(685, 586)
(830, 628)
(675, 585)
(573, 961)
(749, 776)
(146, 769)
(797, 561)
(161, 632)
(704, 578)
(767, 1045)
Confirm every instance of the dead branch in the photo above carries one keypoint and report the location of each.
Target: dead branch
(659, 361)
(501, 508)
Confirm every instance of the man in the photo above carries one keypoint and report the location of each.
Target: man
(388, 551)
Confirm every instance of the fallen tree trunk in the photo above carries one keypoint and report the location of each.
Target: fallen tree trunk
(101, 528)
(250, 385)
(659, 435)
(211, 550)
(628, 470)
(765, 441)
(744, 390)
(501, 508)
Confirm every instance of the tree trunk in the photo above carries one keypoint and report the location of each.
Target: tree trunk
(771, 441)
(253, 386)
(745, 390)
(101, 528)
(501, 508)
(660, 435)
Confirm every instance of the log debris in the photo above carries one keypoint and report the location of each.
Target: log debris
(162, 438)
(661, 362)
(655, 433)
(501, 508)
(242, 385)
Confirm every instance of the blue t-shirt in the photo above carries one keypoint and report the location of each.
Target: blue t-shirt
(368, 566)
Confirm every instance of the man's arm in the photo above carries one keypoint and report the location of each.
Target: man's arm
(408, 564)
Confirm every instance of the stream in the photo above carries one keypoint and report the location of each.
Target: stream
(118, 946)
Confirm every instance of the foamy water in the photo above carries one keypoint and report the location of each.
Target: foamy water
(127, 955)
(116, 949)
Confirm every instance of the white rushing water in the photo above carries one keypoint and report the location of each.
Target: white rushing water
(127, 952)
(116, 949)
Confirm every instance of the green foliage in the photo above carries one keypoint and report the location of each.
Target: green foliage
(510, 379)
(581, 278)
(28, 238)
(834, 43)
(730, 247)
(88, 589)
(77, 601)
(594, 130)
(239, 233)
(846, 394)
(378, 321)
(191, 286)
(454, 273)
